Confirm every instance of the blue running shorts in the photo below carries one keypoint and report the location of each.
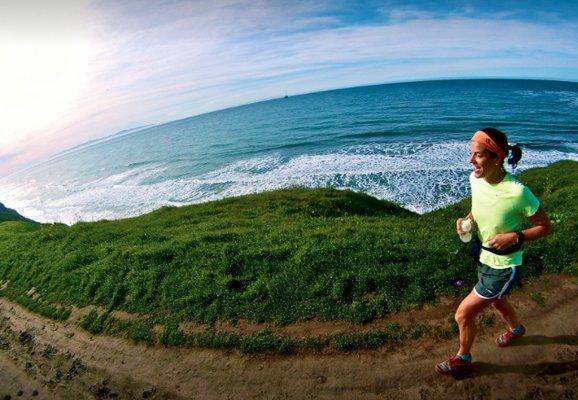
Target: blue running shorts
(495, 283)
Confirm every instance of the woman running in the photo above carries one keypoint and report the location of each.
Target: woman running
(500, 204)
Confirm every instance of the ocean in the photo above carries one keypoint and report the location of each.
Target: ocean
(403, 142)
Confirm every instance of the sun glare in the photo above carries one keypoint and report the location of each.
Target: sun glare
(43, 70)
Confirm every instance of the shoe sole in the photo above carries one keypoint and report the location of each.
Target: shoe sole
(454, 372)
(441, 372)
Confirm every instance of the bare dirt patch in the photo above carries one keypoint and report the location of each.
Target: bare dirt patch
(43, 359)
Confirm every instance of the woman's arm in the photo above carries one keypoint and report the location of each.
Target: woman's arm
(541, 227)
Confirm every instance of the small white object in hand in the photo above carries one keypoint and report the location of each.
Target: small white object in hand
(466, 227)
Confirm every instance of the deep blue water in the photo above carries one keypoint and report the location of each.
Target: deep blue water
(403, 142)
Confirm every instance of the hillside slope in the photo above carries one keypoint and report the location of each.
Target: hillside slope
(277, 257)
(7, 214)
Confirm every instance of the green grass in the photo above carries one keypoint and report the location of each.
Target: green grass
(276, 257)
(38, 306)
(140, 330)
(93, 322)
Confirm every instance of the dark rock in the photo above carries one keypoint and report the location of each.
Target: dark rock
(147, 394)
(58, 375)
(29, 368)
(424, 394)
(49, 351)
(76, 368)
(24, 337)
(102, 391)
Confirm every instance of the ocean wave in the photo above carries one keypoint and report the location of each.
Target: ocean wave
(419, 176)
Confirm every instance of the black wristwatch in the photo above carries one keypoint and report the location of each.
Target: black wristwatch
(521, 237)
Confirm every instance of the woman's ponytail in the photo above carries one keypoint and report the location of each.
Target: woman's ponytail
(515, 155)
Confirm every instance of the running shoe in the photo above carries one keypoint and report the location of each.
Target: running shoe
(505, 338)
(452, 366)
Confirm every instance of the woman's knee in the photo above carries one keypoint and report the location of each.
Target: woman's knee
(463, 317)
(469, 308)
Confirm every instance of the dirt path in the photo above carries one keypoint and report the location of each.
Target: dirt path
(43, 359)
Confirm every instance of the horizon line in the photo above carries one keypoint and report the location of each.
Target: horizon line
(142, 128)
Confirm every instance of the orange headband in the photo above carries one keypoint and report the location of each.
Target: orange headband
(485, 140)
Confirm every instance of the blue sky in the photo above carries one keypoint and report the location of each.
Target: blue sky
(74, 70)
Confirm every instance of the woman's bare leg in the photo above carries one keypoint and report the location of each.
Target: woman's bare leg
(465, 316)
(507, 312)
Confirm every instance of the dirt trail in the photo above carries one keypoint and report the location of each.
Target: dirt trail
(43, 359)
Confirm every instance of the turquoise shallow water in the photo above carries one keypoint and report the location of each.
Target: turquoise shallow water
(403, 142)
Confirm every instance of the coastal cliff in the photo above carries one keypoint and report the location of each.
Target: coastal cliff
(8, 214)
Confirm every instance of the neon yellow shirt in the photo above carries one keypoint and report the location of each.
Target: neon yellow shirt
(500, 208)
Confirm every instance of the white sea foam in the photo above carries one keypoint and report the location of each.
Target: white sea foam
(418, 176)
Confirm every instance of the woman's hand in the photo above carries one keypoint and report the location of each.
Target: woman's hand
(459, 221)
(541, 227)
(503, 240)
(459, 226)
